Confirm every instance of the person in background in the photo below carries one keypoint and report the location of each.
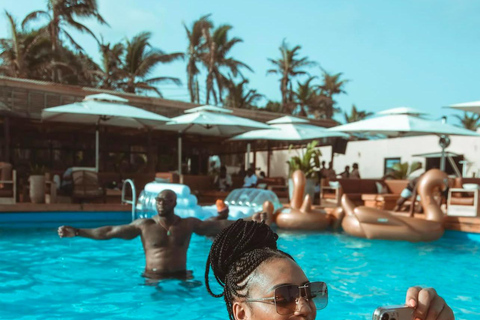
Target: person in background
(262, 175)
(331, 174)
(222, 211)
(355, 174)
(251, 179)
(242, 172)
(323, 171)
(165, 237)
(223, 181)
(259, 281)
(345, 174)
(406, 193)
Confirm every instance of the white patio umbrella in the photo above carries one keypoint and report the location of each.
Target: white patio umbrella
(473, 106)
(103, 109)
(406, 124)
(290, 129)
(210, 121)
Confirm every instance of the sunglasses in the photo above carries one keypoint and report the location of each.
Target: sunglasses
(286, 297)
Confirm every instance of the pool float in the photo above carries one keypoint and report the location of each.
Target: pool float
(266, 214)
(300, 215)
(372, 223)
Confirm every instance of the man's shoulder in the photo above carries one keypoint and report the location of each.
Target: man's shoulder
(142, 222)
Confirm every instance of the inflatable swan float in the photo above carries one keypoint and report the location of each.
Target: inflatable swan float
(373, 223)
(300, 215)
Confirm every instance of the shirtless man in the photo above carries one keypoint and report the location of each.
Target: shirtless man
(165, 237)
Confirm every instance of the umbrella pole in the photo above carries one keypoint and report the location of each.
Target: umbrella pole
(248, 155)
(179, 147)
(97, 149)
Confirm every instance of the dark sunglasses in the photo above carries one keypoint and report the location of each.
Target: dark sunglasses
(286, 297)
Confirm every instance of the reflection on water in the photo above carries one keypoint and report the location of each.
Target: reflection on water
(84, 279)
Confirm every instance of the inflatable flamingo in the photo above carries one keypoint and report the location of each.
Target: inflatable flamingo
(300, 215)
(371, 223)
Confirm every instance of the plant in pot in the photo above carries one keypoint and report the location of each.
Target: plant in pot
(401, 171)
(309, 163)
(37, 183)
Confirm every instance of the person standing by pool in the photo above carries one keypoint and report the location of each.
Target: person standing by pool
(261, 282)
(165, 237)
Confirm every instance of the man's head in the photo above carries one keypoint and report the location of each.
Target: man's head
(323, 164)
(166, 202)
(355, 166)
(347, 168)
(250, 172)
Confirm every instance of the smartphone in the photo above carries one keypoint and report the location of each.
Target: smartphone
(401, 312)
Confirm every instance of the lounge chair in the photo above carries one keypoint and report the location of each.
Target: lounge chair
(8, 184)
(86, 186)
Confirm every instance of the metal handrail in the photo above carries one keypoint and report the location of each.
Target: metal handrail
(134, 195)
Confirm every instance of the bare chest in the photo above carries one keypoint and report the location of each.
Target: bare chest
(158, 236)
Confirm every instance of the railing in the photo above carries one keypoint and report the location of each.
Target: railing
(134, 195)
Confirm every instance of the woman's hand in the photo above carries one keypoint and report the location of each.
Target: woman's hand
(428, 304)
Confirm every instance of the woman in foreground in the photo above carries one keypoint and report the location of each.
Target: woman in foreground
(261, 282)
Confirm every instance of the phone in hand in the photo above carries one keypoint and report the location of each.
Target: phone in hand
(400, 312)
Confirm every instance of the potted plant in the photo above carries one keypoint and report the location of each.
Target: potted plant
(309, 164)
(401, 171)
(37, 183)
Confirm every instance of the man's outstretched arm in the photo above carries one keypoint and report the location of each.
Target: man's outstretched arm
(127, 232)
(209, 228)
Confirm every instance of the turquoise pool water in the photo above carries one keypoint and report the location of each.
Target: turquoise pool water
(44, 277)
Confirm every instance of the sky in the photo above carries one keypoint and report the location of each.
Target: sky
(418, 53)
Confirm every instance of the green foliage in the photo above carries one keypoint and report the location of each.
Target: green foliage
(309, 162)
(470, 122)
(37, 169)
(403, 170)
(356, 115)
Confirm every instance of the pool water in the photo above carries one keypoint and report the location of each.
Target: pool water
(44, 277)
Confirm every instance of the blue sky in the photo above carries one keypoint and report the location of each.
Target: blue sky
(423, 54)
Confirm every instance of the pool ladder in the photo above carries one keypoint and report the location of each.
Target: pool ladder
(134, 195)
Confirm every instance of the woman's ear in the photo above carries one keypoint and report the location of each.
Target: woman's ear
(240, 311)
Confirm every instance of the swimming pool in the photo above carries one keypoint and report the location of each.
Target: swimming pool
(44, 277)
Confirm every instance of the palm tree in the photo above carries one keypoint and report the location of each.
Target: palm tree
(196, 47)
(110, 71)
(140, 60)
(469, 122)
(304, 96)
(288, 66)
(273, 106)
(356, 115)
(332, 85)
(24, 54)
(239, 97)
(215, 58)
(62, 13)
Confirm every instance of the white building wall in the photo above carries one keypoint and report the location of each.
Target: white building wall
(370, 154)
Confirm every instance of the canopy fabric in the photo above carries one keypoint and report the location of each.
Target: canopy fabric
(290, 132)
(287, 119)
(402, 125)
(104, 109)
(92, 111)
(473, 106)
(205, 122)
(208, 108)
(402, 110)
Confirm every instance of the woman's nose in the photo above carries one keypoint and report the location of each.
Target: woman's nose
(303, 307)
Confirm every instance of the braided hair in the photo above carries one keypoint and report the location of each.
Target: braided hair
(236, 252)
